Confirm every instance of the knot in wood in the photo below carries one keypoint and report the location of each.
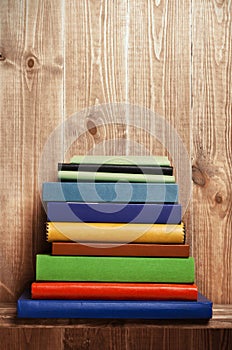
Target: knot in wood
(198, 176)
(30, 62)
(2, 57)
(218, 198)
(92, 128)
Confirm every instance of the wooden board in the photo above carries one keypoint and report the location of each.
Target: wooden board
(212, 151)
(31, 76)
(115, 334)
(119, 336)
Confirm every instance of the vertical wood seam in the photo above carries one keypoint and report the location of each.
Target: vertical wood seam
(192, 248)
(127, 36)
(64, 71)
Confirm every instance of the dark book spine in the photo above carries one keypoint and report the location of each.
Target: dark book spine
(131, 169)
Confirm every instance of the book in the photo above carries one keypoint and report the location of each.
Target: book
(114, 168)
(114, 269)
(111, 177)
(114, 212)
(32, 308)
(113, 291)
(122, 160)
(131, 249)
(115, 232)
(109, 192)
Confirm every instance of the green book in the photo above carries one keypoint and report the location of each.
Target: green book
(123, 160)
(66, 175)
(114, 269)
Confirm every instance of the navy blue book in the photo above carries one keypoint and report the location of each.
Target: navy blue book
(123, 192)
(114, 212)
(32, 308)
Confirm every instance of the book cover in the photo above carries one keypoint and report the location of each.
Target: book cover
(109, 192)
(131, 249)
(32, 308)
(115, 232)
(113, 291)
(114, 168)
(114, 269)
(123, 160)
(114, 212)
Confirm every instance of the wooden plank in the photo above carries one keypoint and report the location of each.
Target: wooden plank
(115, 338)
(31, 107)
(159, 62)
(94, 53)
(212, 157)
(94, 73)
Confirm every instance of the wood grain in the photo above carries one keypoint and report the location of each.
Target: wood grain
(30, 338)
(159, 63)
(31, 106)
(95, 73)
(94, 53)
(212, 156)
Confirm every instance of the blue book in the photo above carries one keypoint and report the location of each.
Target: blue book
(114, 212)
(33, 308)
(110, 192)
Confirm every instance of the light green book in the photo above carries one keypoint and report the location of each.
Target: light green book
(123, 160)
(67, 175)
(114, 269)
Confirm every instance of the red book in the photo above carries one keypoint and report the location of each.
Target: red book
(113, 291)
(130, 249)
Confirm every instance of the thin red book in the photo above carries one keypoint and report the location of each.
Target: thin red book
(113, 291)
(131, 249)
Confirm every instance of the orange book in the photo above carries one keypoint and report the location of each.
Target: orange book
(113, 291)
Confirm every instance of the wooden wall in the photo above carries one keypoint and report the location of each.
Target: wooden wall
(58, 57)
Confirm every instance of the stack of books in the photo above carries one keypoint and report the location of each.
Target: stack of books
(118, 244)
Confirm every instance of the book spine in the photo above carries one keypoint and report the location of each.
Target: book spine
(114, 269)
(114, 212)
(122, 160)
(137, 249)
(110, 192)
(100, 176)
(113, 291)
(131, 169)
(115, 232)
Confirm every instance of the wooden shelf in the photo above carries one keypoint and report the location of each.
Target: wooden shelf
(72, 334)
(222, 319)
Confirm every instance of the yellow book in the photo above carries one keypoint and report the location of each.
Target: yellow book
(112, 232)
